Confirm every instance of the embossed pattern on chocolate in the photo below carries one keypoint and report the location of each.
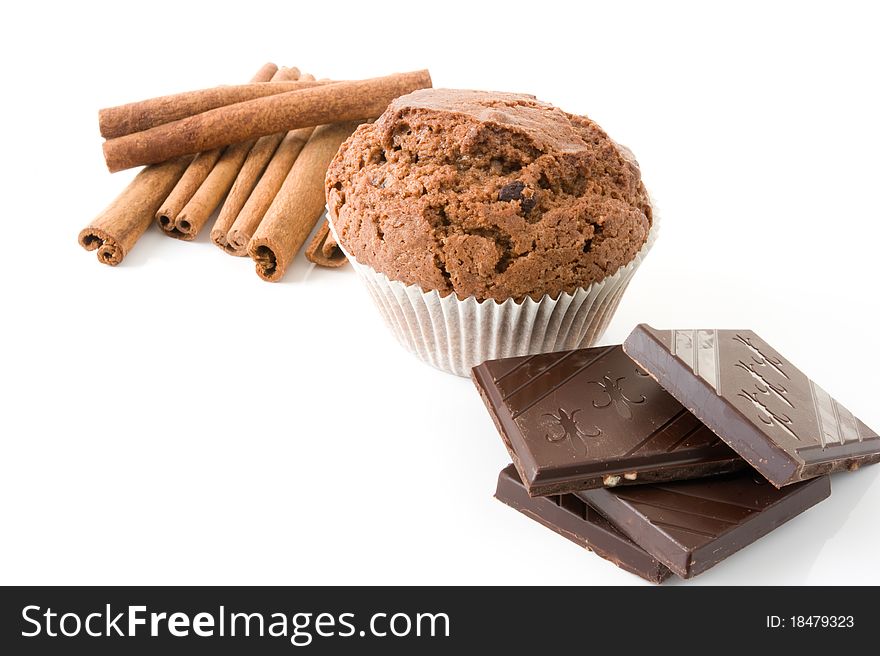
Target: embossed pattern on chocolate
(784, 424)
(591, 418)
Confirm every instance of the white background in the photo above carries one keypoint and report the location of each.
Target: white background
(178, 420)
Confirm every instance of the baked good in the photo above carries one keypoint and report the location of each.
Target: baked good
(488, 225)
(487, 195)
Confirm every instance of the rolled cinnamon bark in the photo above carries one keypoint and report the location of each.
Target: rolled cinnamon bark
(251, 170)
(145, 114)
(197, 172)
(323, 249)
(298, 205)
(115, 231)
(330, 248)
(188, 184)
(242, 121)
(267, 188)
(257, 160)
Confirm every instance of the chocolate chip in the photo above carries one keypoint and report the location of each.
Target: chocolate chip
(527, 204)
(512, 191)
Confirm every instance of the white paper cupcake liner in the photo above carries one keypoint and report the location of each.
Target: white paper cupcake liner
(455, 335)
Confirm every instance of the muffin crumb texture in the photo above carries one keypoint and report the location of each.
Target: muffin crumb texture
(491, 195)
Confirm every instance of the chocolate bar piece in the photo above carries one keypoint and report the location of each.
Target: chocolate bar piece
(768, 411)
(689, 526)
(572, 518)
(590, 418)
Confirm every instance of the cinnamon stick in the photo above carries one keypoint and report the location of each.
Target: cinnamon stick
(196, 173)
(145, 114)
(257, 160)
(115, 231)
(188, 184)
(323, 249)
(267, 188)
(242, 121)
(173, 218)
(298, 205)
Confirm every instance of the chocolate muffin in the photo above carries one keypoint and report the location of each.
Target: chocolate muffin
(487, 195)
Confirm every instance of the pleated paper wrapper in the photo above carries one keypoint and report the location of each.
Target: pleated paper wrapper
(455, 335)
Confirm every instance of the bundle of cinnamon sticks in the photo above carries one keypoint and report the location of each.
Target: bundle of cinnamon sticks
(258, 152)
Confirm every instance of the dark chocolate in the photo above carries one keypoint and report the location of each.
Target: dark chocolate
(768, 411)
(511, 191)
(575, 520)
(690, 526)
(590, 418)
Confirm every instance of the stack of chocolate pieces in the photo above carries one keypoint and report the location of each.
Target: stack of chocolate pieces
(671, 452)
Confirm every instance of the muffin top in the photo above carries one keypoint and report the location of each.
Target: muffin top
(491, 195)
